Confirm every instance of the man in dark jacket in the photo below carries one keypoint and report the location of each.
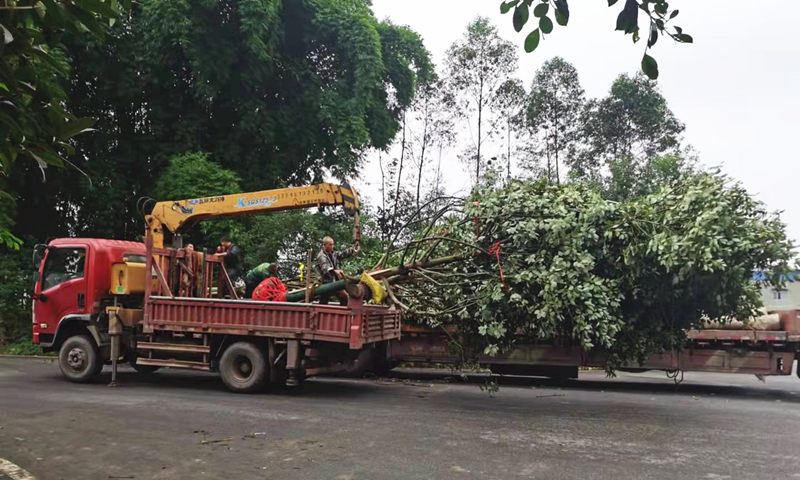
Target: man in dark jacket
(233, 264)
(328, 266)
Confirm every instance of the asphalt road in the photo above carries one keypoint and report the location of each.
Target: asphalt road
(176, 424)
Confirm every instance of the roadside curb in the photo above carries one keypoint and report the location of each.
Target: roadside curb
(43, 357)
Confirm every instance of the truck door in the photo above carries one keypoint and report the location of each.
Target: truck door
(60, 290)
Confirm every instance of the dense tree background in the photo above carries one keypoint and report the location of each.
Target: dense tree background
(277, 92)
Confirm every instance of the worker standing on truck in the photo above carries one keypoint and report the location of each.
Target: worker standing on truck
(233, 264)
(328, 266)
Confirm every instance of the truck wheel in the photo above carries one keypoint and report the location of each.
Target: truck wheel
(78, 359)
(142, 368)
(243, 368)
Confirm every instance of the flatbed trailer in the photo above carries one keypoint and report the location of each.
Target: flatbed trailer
(756, 352)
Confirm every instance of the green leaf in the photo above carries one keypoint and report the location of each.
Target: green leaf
(673, 14)
(541, 9)
(3, 86)
(628, 18)
(653, 36)
(685, 38)
(79, 125)
(532, 41)
(7, 37)
(611, 2)
(546, 24)
(661, 8)
(520, 16)
(506, 6)
(650, 67)
(563, 7)
(561, 19)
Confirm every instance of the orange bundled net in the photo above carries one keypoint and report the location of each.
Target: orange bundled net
(270, 290)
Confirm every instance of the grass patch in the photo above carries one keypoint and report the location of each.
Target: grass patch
(23, 347)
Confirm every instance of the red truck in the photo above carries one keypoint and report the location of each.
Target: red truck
(99, 301)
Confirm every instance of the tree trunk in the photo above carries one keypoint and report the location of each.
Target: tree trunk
(422, 153)
(399, 176)
(383, 182)
(558, 178)
(508, 158)
(480, 118)
(438, 170)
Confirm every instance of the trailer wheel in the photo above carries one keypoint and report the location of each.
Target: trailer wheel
(243, 368)
(79, 359)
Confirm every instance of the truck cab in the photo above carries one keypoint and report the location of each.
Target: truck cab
(72, 288)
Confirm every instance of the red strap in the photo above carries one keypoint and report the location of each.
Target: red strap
(495, 250)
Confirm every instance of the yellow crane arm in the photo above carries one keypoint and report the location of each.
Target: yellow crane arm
(179, 214)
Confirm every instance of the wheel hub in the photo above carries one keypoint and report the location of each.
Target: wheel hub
(76, 358)
(243, 368)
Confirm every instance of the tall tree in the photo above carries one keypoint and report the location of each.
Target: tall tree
(554, 111)
(477, 64)
(630, 134)
(511, 98)
(634, 120)
(433, 117)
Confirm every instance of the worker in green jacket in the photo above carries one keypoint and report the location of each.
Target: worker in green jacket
(257, 275)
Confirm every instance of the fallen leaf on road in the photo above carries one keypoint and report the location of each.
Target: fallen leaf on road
(222, 440)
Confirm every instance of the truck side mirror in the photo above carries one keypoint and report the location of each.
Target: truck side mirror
(38, 254)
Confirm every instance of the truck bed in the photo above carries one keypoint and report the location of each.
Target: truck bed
(302, 321)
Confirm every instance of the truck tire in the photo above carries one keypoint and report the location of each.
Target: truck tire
(243, 368)
(79, 359)
(141, 368)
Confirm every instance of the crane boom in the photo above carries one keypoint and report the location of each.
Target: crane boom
(177, 215)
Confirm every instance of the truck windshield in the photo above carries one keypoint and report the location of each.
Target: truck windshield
(63, 264)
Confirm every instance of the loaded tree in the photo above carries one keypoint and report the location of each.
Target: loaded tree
(551, 262)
